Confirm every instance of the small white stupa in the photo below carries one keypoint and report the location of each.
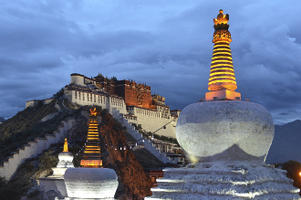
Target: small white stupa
(227, 139)
(65, 161)
(54, 185)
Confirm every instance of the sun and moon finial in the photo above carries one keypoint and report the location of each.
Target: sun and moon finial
(221, 18)
(93, 111)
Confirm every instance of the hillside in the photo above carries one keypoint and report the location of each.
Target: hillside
(286, 144)
(36, 122)
(30, 124)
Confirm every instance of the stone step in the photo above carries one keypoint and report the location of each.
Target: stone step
(199, 196)
(226, 188)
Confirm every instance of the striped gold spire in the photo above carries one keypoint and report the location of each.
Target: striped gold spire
(92, 154)
(222, 82)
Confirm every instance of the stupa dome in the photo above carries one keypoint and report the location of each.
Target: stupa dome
(231, 130)
(65, 159)
(94, 183)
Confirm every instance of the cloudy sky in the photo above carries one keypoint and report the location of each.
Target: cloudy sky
(164, 43)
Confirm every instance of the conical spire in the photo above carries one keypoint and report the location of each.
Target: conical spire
(65, 146)
(92, 154)
(222, 82)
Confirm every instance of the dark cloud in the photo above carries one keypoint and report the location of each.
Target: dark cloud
(166, 45)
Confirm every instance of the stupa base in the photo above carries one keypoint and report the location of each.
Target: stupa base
(224, 94)
(225, 180)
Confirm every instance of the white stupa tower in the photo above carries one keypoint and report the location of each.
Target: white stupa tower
(65, 161)
(227, 139)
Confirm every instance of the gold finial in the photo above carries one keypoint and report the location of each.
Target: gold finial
(65, 146)
(93, 112)
(221, 18)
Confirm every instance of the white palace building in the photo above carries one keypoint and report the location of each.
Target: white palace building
(127, 98)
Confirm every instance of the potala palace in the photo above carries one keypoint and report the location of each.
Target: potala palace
(132, 100)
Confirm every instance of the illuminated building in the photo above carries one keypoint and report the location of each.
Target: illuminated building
(134, 101)
(92, 154)
(222, 82)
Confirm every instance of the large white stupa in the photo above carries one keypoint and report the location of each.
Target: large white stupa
(227, 140)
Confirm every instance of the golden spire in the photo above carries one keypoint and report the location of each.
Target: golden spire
(92, 154)
(65, 146)
(222, 82)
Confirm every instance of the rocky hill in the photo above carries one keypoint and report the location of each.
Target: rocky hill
(286, 144)
(41, 119)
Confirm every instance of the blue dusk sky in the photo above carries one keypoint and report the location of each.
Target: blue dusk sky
(163, 43)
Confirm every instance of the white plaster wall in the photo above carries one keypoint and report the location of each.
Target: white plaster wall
(105, 102)
(33, 149)
(135, 134)
(30, 103)
(152, 121)
(77, 80)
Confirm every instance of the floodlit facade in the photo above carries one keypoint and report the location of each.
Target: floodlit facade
(133, 101)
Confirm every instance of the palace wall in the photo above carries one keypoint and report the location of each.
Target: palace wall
(154, 120)
(150, 120)
(32, 149)
(77, 79)
(32, 103)
(148, 145)
(136, 94)
(84, 98)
